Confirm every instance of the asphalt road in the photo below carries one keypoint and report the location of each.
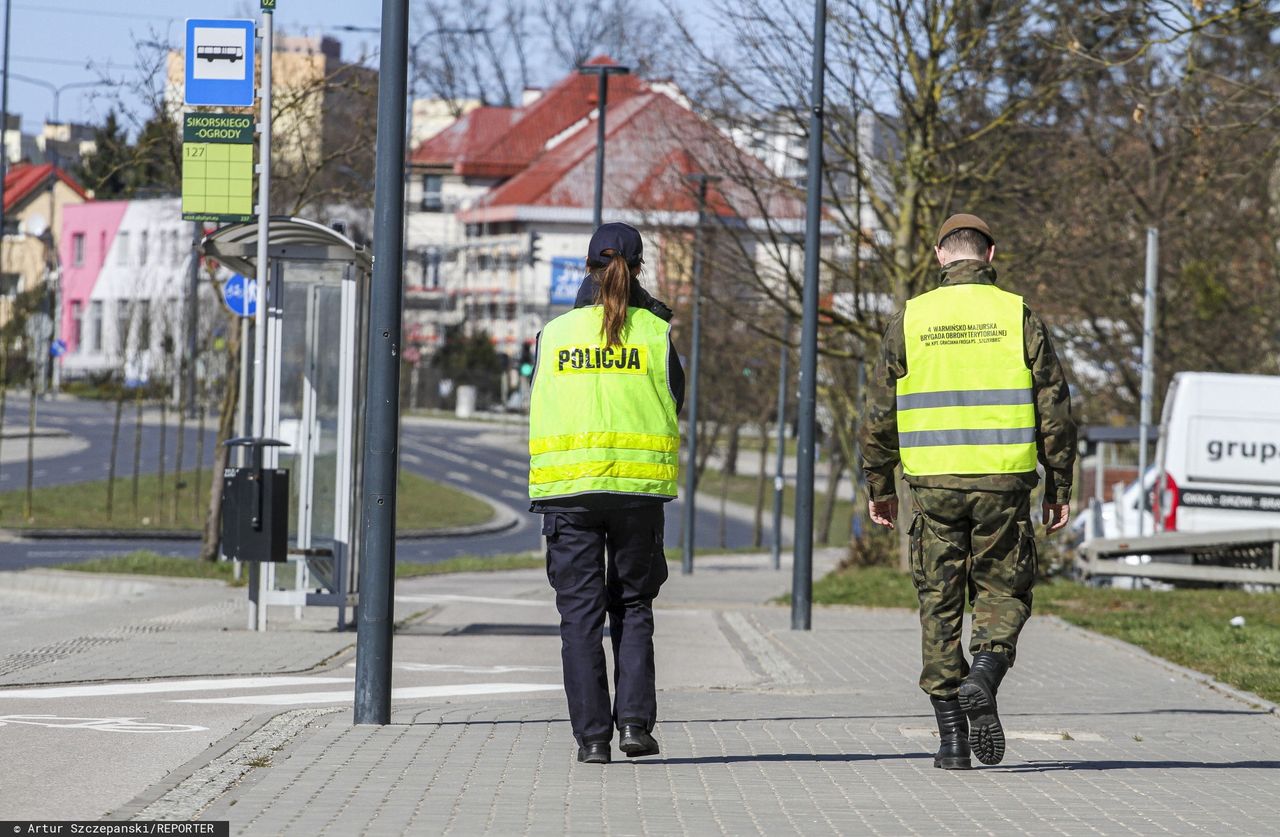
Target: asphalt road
(485, 459)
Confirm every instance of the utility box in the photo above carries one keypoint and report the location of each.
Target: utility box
(255, 514)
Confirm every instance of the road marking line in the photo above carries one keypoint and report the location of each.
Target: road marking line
(459, 476)
(75, 469)
(515, 495)
(409, 693)
(445, 597)
(456, 669)
(157, 687)
(413, 459)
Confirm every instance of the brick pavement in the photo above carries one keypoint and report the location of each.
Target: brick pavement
(825, 733)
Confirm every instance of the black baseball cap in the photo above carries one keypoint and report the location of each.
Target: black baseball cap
(623, 239)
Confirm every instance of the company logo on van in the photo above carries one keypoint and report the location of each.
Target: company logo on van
(1219, 450)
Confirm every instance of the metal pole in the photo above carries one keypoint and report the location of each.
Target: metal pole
(4, 121)
(779, 478)
(602, 96)
(802, 567)
(1148, 360)
(264, 226)
(242, 403)
(193, 317)
(695, 352)
(382, 387)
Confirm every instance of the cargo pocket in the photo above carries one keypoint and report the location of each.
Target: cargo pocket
(915, 550)
(1025, 570)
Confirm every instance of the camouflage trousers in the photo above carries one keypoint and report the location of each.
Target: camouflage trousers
(977, 546)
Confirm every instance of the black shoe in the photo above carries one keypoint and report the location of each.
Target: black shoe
(978, 700)
(636, 741)
(596, 753)
(953, 735)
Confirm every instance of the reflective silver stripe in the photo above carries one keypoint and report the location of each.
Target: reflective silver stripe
(964, 398)
(933, 438)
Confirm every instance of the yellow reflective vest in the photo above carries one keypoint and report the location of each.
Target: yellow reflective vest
(602, 418)
(965, 405)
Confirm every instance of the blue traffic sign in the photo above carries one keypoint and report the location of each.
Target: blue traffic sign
(58, 348)
(566, 277)
(220, 62)
(241, 295)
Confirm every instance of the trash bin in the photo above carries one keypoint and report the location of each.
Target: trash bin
(466, 406)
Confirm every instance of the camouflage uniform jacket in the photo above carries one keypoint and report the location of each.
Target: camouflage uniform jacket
(1055, 431)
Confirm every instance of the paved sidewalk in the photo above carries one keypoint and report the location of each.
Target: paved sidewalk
(766, 730)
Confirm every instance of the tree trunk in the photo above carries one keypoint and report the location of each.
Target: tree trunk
(164, 432)
(762, 475)
(212, 540)
(177, 465)
(834, 473)
(31, 447)
(115, 446)
(137, 448)
(706, 447)
(731, 454)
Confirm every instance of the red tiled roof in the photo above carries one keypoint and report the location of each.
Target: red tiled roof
(24, 179)
(489, 147)
(652, 142)
(476, 130)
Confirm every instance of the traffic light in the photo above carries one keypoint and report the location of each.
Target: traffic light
(534, 244)
(526, 360)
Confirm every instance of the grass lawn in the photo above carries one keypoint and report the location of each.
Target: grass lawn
(143, 562)
(1188, 627)
(421, 504)
(472, 564)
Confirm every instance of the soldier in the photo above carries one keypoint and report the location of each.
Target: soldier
(604, 457)
(967, 394)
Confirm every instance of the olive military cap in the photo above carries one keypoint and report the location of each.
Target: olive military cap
(964, 221)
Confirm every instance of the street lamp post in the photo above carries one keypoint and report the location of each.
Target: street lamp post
(382, 387)
(602, 72)
(695, 354)
(802, 566)
(56, 89)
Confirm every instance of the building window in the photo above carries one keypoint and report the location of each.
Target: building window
(122, 248)
(77, 324)
(142, 247)
(9, 284)
(95, 326)
(77, 249)
(432, 199)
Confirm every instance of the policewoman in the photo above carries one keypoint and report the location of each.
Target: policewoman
(604, 449)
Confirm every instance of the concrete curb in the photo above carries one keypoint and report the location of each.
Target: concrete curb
(226, 763)
(1200, 677)
(102, 534)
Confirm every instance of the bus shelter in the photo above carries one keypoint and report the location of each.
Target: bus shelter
(315, 363)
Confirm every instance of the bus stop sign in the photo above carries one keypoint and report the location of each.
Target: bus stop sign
(219, 63)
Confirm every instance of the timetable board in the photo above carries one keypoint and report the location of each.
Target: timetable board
(217, 167)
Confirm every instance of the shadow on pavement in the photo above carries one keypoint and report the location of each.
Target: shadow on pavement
(768, 757)
(1044, 767)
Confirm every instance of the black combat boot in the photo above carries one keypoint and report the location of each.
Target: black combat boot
(953, 735)
(978, 699)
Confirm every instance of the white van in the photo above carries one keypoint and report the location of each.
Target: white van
(1219, 453)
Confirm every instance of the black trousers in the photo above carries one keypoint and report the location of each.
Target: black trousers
(587, 588)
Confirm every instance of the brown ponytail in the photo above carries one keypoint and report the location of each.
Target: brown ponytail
(613, 291)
